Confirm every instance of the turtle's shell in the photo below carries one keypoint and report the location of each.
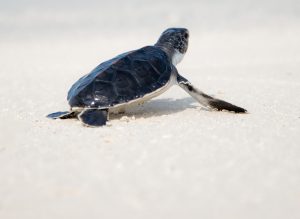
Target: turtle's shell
(126, 77)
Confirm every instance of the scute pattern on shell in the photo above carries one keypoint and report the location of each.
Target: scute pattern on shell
(124, 78)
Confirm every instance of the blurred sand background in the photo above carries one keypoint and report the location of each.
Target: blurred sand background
(169, 158)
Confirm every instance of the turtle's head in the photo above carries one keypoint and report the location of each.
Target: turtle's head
(175, 42)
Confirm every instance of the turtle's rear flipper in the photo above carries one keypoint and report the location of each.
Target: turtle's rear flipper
(93, 117)
(62, 115)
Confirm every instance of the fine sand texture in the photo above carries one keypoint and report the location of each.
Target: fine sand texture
(169, 158)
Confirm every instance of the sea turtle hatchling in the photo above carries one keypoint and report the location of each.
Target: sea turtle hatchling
(132, 78)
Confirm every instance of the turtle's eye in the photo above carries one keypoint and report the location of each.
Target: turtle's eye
(186, 35)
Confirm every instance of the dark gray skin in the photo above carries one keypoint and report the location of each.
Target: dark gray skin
(134, 77)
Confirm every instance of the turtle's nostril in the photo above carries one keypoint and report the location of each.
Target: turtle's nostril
(186, 35)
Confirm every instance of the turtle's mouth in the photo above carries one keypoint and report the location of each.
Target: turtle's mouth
(184, 47)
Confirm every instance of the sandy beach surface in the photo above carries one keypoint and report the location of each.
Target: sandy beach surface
(169, 158)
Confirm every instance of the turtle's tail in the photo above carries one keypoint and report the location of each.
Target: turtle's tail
(62, 115)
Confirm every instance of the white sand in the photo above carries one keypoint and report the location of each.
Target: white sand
(173, 159)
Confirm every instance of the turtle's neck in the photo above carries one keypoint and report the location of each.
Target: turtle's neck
(174, 55)
(167, 48)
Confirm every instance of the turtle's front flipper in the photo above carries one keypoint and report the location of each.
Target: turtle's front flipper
(206, 100)
(93, 117)
(62, 115)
